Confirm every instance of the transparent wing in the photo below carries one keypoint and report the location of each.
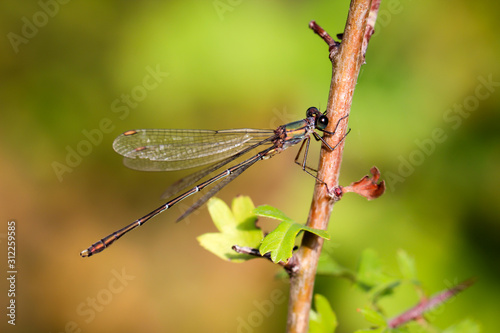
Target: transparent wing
(174, 149)
(194, 177)
(217, 188)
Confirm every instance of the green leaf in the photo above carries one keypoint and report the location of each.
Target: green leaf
(407, 265)
(383, 289)
(373, 317)
(280, 241)
(405, 329)
(465, 326)
(270, 211)
(375, 330)
(323, 320)
(414, 327)
(370, 272)
(236, 226)
(328, 266)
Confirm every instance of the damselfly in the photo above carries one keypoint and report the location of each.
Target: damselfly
(171, 149)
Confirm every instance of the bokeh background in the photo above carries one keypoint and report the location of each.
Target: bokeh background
(425, 112)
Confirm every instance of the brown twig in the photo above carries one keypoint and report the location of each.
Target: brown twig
(425, 305)
(290, 266)
(333, 46)
(346, 61)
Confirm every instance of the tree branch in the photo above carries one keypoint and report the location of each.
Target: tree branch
(347, 59)
(428, 304)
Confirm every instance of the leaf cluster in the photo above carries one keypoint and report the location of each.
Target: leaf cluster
(240, 239)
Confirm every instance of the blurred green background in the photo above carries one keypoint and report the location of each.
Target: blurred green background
(425, 112)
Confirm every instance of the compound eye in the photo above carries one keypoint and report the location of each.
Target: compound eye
(312, 112)
(322, 122)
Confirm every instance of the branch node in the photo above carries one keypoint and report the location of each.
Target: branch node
(336, 194)
(333, 46)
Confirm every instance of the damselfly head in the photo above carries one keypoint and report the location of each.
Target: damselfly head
(320, 119)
